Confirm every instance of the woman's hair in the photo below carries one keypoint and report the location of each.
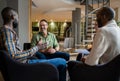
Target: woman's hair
(108, 12)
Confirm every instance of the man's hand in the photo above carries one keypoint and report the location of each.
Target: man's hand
(50, 50)
(41, 45)
(84, 58)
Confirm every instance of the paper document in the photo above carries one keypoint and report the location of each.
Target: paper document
(84, 51)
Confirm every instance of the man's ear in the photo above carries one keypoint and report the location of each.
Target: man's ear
(104, 20)
(12, 17)
(104, 16)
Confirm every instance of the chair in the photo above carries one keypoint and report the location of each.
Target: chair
(68, 42)
(110, 71)
(15, 71)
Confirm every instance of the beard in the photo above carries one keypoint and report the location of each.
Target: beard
(99, 23)
(15, 24)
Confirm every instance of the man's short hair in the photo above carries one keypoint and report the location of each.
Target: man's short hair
(108, 12)
(44, 21)
(7, 13)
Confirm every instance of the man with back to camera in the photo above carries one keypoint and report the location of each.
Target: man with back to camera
(106, 44)
(9, 42)
(52, 49)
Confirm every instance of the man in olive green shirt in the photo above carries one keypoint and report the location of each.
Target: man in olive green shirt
(52, 49)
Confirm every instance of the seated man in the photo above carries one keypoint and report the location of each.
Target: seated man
(106, 44)
(9, 42)
(52, 49)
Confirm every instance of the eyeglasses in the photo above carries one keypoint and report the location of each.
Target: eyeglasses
(43, 25)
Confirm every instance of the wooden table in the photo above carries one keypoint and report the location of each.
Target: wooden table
(73, 56)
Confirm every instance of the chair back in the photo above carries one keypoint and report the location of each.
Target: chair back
(68, 42)
(16, 71)
(106, 72)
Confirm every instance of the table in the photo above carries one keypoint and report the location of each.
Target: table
(73, 56)
(74, 52)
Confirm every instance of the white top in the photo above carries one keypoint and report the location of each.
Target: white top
(106, 44)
